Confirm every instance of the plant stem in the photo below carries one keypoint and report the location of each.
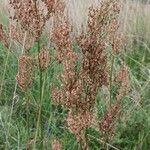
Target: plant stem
(39, 125)
(27, 114)
(4, 72)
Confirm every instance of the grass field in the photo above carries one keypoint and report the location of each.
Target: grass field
(19, 110)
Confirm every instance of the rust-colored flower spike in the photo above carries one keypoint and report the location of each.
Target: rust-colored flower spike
(108, 123)
(25, 72)
(70, 93)
(123, 82)
(70, 89)
(31, 17)
(3, 37)
(50, 4)
(79, 90)
(79, 123)
(44, 59)
(94, 70)
(56, 145)
(116, 38)
(118, 43)
(27, 14)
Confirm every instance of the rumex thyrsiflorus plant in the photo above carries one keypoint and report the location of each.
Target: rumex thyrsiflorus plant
(83, 75)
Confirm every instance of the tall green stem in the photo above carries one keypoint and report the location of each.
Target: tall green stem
(39, 125)
(27, 113)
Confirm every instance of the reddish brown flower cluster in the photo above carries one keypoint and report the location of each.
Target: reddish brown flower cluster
(78, 123)
(79, 84)
(94, 70)
(79, 89)
(31, 18)
(3, 37)
(65, 55)
(70, 94)
(108, 123)
(50, 4)
(116, 38)
(25, 72)
(17, 36)
(61, 37)
(123, 82)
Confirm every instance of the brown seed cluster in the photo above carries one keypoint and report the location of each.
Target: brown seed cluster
(123, 82)
(70, 94)
(25, 72)
(28, 16)
(50, 4)
(31, 17)
(61, 37)
(78, 123)
(94, 43)
(79, 89)
(71, 86)
(116, 38)
(18, 37)
(108, 123)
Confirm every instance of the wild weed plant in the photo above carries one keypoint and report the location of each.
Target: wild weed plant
(69, 91)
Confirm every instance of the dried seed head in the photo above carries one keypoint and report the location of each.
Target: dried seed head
(118, 43)
(122, 80)
(44, 59)
(108, 123)
(79, 89)
(78, 123)
(50, 4)
(25, 72)
(31, 17)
